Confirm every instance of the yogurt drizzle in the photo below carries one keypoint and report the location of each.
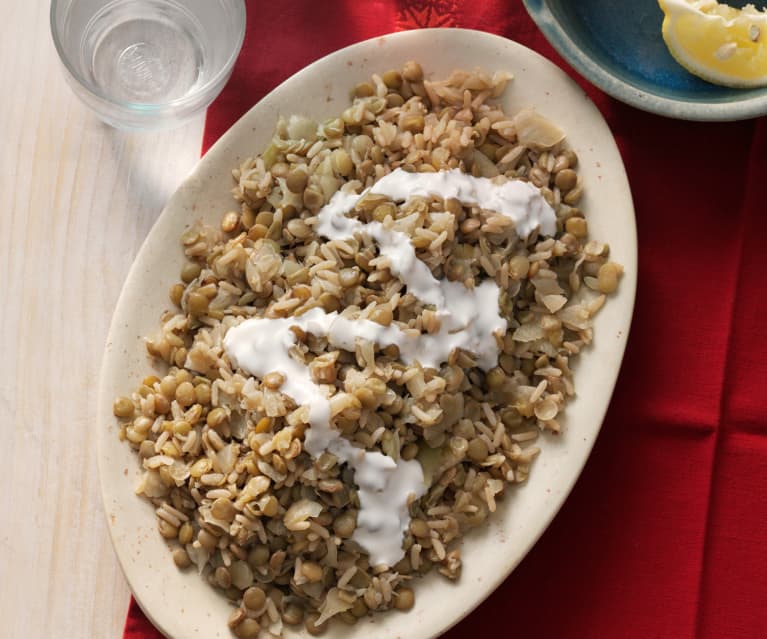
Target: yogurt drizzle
(469, 319)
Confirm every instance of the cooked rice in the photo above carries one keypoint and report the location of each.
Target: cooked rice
(223, 451)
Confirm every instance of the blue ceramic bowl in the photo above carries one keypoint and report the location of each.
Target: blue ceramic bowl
(618, 46)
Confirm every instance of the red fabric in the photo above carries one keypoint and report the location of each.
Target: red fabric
(664, 535)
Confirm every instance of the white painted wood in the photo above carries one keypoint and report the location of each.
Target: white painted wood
(77, 199)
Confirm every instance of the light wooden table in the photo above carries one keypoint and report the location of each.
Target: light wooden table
(76, 200)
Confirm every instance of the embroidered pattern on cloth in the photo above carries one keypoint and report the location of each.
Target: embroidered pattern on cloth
(418, 14)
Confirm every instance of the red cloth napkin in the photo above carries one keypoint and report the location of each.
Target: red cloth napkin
(664, 535)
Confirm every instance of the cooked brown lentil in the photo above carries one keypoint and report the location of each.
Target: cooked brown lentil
(254, 598)
(404, 599)
(311, 625)
(181, 558)
(247, 629)
(223, 453)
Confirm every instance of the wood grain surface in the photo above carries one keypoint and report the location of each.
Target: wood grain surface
(77, 198)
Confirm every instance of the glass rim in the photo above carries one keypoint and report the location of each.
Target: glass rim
(156, 108)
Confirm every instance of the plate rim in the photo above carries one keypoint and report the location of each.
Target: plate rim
(628, 288)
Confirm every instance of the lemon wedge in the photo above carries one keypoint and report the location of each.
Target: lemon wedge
(717, 42)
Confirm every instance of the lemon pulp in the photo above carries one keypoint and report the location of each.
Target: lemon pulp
(716, 42)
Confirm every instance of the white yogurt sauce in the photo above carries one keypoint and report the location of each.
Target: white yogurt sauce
(521, 201)
(260, 346)
(469, 319)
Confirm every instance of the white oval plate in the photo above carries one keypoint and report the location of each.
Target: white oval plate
(179, 603)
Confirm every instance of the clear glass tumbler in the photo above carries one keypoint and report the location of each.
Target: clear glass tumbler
(147, 64)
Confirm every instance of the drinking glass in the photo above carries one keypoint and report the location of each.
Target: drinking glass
(147, 64)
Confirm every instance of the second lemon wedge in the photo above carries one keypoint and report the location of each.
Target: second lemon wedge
(717, 42)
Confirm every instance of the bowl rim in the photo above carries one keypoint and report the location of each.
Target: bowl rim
(620, 89)
(152, 109)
